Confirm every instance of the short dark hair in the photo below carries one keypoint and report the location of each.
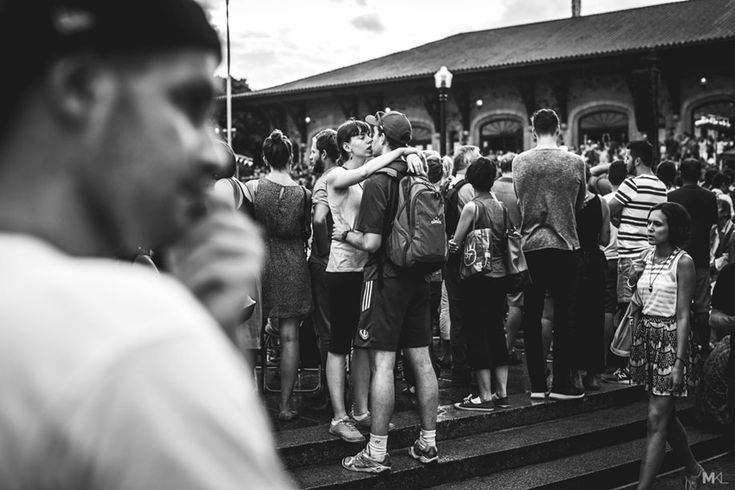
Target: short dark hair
(617, 172)
(326, 140)
(277, 150)
(346, 131)
(666, 172)
(709, 174)
(678, 219)
(506, 162)
(719, 180)
(545, 121)
(690, 169)
(641, 149)
(229, 168)
(481, 174)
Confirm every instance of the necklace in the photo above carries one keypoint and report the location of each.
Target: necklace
(651, 277)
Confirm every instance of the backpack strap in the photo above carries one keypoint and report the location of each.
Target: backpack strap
(391, 208)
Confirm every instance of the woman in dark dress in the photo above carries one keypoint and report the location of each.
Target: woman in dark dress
(593, 229)
(282, 207)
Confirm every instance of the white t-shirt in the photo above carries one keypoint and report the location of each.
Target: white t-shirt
(344, 205)
(115, 377)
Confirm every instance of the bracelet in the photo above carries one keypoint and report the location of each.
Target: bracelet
(343, 238)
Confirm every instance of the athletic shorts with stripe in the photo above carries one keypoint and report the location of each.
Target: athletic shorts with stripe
(394, 315)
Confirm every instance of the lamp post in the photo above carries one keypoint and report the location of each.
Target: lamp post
(228, 82)
(443, 82)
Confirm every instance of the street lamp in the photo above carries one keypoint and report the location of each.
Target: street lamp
(443, 82)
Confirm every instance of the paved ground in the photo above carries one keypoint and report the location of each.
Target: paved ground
(721, 475)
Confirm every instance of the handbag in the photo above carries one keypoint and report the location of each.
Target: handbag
(477, 250)
(518, 278)
(623, 339)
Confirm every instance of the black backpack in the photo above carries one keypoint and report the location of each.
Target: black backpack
(452, 207)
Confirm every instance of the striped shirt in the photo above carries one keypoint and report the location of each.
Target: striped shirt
(637, 195)
(657, 286)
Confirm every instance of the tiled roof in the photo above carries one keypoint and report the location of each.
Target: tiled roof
(658, 26)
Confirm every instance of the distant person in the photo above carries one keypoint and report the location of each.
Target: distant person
(550, 184)
(505, 191)
(283, 207)
(666, 172)
(114, 376)
(722, 320)
(701, 205)
(630, 207)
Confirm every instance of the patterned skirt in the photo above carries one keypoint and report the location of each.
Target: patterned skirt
(653, 355)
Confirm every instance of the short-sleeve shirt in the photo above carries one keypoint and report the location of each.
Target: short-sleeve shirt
(702, 207)
(637, 195)
(319, 196)
(377, 212)
(723, 298)
(550, 184)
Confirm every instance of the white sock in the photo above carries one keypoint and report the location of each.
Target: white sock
(377, 447)
(428, 437)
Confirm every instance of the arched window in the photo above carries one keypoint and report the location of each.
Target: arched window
(501, 134)
(421, 135)
(604, 126)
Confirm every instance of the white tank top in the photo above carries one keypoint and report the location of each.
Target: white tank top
(657, 286)
(344, 205)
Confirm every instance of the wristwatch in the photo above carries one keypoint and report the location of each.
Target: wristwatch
(343, 238)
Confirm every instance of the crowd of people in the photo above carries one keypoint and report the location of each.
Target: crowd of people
(133, 262)
(605, 243)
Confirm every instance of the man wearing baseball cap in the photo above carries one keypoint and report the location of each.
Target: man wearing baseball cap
(113, 376)
(395, 307)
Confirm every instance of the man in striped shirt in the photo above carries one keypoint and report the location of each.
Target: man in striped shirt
(632, 202)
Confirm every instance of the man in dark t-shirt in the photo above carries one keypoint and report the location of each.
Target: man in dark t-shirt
(722, 319)
(702, 207)
(394, 308)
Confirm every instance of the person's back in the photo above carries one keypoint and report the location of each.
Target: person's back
(550, 185)
(505, 191)
(71, 366)
(637, 195)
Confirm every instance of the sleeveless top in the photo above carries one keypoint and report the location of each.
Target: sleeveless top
(344, 205)
(589, 222)
(491, 214)
(657, 286)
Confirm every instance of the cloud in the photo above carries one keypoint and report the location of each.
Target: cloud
(368, 22)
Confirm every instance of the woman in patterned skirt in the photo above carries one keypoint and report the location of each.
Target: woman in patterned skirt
(661, 355)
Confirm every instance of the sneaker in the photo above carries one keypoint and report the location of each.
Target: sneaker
(345, 430)
(570, 393)
(500, 402)
(539, 395)
(365, 422)
(691, 482)
(475, 403)
(620, 375)
(363, 463)
(425, 454)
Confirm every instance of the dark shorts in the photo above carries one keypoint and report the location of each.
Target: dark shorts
(394, 315)
(702, 296)
(611, 286)
(344, 295)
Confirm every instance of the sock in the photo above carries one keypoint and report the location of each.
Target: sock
(336, 421)
(377, 447)
(428, 438)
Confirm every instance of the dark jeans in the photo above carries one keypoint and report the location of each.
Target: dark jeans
(457, 334)
(552, 270)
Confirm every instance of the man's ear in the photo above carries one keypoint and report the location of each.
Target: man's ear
(72, 88)
(323, 155)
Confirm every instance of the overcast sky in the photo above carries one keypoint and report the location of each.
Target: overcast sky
(278, 41)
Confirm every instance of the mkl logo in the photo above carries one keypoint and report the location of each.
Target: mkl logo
(713, 478)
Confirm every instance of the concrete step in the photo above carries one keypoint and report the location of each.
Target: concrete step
(614, 466)
(314, 445)
(491, 451)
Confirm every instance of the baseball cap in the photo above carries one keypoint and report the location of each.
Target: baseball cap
(395, 125)
(54, 27)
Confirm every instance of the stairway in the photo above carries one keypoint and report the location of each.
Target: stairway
(595, 443)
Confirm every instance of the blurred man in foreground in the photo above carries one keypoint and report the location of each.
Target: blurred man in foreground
(114, 377)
